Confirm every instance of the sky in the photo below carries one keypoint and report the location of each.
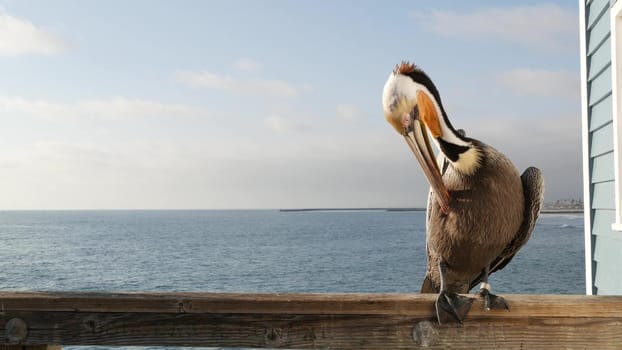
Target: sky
(270, 104)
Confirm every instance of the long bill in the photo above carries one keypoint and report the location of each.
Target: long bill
(417, 140)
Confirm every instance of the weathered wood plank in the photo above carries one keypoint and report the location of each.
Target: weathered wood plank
(321, 331)
(309, 321)
(298, 303)
(30, 347)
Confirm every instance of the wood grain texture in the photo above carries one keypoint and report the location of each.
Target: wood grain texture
(30, 347)
(310, 321)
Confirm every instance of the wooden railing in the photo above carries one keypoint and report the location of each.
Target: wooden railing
(34, 320)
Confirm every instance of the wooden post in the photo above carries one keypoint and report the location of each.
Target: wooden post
(306, 321)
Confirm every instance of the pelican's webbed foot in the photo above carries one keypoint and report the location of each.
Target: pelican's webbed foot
(451, 307)
(493, 302)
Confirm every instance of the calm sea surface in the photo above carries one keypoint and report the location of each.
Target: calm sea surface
(257, 251)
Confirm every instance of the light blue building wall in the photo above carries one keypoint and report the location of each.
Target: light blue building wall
(603, 245)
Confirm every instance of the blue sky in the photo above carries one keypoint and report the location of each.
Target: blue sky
(270, 104)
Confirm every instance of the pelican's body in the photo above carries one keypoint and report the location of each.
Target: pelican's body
(487, 212)
(480, 211)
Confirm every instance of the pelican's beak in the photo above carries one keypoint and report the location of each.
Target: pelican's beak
(417, 139)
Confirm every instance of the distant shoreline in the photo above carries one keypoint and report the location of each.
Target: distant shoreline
(561, 211)
(543, 211)
(352, 209)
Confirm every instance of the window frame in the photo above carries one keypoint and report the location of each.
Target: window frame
(616, 88)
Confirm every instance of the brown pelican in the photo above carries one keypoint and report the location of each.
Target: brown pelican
(480, 211)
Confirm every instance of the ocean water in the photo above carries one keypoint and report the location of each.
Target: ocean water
(258, 251)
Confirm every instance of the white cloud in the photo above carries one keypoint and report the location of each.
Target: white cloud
(18, 36)
(347, 111)
(314, 171)
(280, 124)
(547, 26)
(274, 88)
(113, 108)
(541, 82)
(246, 64)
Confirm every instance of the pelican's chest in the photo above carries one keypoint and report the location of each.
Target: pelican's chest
(486, 209)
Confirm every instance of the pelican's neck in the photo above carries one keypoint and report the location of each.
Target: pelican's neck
(462, 153)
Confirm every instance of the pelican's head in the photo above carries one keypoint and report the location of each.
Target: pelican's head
(412, 104)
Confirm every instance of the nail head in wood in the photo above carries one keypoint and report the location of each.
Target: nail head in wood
(424, 334)
(16, 330)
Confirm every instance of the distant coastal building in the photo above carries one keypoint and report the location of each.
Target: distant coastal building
(601, 85)
(564, 204)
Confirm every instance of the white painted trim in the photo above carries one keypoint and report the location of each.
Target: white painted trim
(587, 203)
(616, 86)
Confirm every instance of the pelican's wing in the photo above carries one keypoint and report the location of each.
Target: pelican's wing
(533, 189)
